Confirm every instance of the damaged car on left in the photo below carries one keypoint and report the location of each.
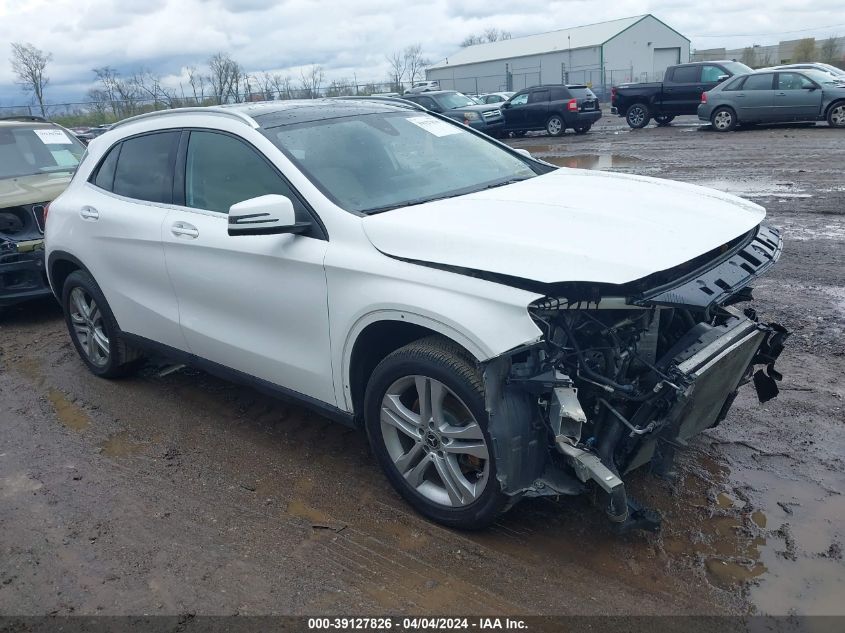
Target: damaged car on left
(37, 161)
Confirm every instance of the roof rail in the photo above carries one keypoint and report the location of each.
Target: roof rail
(24, 117)
(232, 114)
(398, 101)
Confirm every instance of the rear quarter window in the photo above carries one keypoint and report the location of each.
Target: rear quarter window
(560, 94)
(145, 167)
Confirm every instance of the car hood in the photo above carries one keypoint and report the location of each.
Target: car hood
(567, 225)
(484, 107)
(31, 189)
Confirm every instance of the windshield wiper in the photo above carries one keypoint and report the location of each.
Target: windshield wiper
(410, 203)
(506, 182)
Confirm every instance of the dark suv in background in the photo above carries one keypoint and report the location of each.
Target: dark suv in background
(458, 106)
(553, 108)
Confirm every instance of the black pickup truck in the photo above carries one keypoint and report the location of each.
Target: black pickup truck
(678, 93)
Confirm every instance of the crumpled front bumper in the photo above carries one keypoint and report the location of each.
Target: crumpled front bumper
(22, 272)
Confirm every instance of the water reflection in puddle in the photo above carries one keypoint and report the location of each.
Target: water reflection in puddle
(588, 161)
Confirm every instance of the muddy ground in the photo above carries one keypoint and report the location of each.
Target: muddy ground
(185, 494)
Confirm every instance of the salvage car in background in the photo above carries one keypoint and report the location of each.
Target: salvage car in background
(553, 108)
(679, 92)
(496, 333)
(458, 106)
(37, 159)
(774, 97)
(495, 97)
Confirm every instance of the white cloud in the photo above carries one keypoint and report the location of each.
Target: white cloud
(343, 36)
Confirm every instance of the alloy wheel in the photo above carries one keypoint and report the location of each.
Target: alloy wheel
(88, 327)
(434, 441)
(837, 116)
(636, 116)
(722, 120)
(554, 126)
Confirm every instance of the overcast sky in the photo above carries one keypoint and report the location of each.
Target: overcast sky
(344, 36)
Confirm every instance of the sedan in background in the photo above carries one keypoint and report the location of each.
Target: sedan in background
(774, 97)
(496, 97)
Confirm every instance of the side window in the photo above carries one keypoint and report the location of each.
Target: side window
(104, 178)
(758, 82)
(221, 171)
(686, 75)
(145, 167)
(538, 96)
(734, 84)
(711, 74)
(428, 103)
(793, 81)
(520, 99)
(560, 94)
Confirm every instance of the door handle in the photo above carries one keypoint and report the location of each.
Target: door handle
(89, 213)
(780, 94)
(740, 96)
(183, 229)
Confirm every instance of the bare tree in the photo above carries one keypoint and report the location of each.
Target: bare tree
(28, 64)
(749, 56)
(224, 77)
(396, 60)
(283, 86)
(805, 50)
(766, 59)
(197, 83)
(829, 51)
(311, 79)
(340, 88)
(415, 63)
(122, 96)
(489, 35)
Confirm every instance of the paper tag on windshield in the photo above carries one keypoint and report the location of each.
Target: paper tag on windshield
(53, 136)
(435, 126)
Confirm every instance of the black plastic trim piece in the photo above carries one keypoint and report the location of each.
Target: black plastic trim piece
(227, 373)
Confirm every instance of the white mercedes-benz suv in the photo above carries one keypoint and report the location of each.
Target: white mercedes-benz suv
(499, 327)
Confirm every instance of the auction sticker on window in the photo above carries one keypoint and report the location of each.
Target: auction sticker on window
(435, 126)
(53, 136)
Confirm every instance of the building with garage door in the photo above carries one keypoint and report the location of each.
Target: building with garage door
(600, 55)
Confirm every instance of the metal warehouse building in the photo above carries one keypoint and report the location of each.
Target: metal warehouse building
(601, 55)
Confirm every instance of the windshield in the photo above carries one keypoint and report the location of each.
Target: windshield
(452, 100)
(736, 68)
(26, 151)
(376, 162)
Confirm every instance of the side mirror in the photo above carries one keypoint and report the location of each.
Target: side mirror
(810, 87)
(522, 151)
(721, 78)
(506, 104)
(265, 215)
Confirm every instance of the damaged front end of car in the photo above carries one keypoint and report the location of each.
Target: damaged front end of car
(624, 375)
(22, 271)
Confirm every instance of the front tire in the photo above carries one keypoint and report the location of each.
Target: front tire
(555, 125)
(664, 119)
(582, 129)
(94, 330)
(836, 115)
(638, 116)
(723, 120)
(427, 425)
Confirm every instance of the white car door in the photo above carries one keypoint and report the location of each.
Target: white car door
(257, 303)
(121, 215)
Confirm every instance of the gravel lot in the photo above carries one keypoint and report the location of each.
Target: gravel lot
(182, 494)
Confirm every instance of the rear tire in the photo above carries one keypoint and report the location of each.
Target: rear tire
(723, 120)
(836, 115)
(426, 422)
(638, 116)
(555, 126)
(94, 330)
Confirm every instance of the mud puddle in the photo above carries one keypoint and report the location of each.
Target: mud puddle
(757, 188)
(120, 444)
